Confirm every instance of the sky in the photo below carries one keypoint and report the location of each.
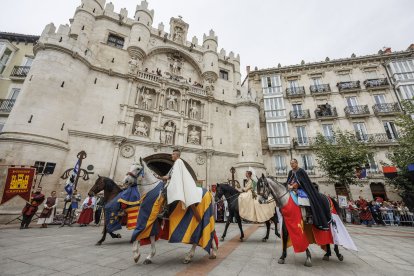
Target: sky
(263, 32)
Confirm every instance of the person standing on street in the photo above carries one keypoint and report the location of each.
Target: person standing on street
(47, 214)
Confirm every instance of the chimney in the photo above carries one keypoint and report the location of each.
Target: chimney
(411, 47)
(387, 50)
(248, 69)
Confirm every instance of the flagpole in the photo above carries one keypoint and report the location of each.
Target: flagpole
(81, 155)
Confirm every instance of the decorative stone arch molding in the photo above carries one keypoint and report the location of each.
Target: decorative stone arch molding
(172, 50)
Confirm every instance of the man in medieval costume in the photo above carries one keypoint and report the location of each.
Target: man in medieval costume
(299, 183)
(180, 186)
(31, 208)
(48, 213)
(73, 200)
(86, 216)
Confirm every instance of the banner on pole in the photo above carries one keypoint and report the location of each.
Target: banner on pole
(19, 182)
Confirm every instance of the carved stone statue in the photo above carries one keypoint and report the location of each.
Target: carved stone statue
(172, 101)
(146, 100)
(194, 136)
(141, 128)
(193, 111)
(133, 66)
(178, 35)
(169, 133)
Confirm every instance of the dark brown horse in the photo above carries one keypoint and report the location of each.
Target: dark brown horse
(111, 190)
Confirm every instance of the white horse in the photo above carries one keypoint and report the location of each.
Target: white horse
(148, 182)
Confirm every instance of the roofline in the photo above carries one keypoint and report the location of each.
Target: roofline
(19, 37)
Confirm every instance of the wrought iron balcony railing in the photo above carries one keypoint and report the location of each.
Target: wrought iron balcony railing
(357, 110)
(292, 92)
(298, 115)
(320, 89)
(6, 105)
(378, 138)
(386, 108)
(281, 171)
(20, 71)
(376, 83)
(326, 113)
(348, 86)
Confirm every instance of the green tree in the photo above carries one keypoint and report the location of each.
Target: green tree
(339, 156)
(403, 155)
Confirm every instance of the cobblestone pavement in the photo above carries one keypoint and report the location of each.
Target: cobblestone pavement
(71, 251)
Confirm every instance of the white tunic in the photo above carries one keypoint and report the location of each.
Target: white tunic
(182, 186)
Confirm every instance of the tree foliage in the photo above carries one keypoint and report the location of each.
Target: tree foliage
(403, 155)
(340, 155)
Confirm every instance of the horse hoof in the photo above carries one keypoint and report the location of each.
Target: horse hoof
(98, 243)
(278, 235)
(308, 263)
(186, 261)
(147, 261)
(325, 258)
(241, 239)
(212, 257)
(136, 259)
(281, 261)
(222, 239)
(341, 258)
(264, 240)
(118, 236)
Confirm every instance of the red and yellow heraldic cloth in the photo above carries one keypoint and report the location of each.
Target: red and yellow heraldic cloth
(300, 234)
(19, 182)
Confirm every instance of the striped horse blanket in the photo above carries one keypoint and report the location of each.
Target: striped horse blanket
(182, 226)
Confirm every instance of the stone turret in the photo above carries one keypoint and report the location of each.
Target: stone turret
(141, 31)
(237, 74)
(84, 19)
(210, 66)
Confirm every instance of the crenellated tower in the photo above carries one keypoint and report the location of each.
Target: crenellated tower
(140, 31)
(210, 67)
(84, 19)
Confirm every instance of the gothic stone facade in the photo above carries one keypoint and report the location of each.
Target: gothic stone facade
(120, 89)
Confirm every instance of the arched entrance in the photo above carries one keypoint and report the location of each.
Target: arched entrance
(340, 189)
(378, 190)
(161, 164)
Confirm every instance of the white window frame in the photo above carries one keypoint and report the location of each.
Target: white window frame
(361, 131)
(380, 99)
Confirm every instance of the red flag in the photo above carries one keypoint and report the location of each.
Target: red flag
(292, 218)
(19, 182)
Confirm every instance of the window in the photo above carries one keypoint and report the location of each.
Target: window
(373, 167)
(224, 75)
(344, 77)
(271, 85)
(277, 133)
(361, 131)
(391, 130)
(379, 99)
(269, 82)
(302, 135)
(1, 126)
(280, 163)
(115, 41)
(351, 101)
(4, 59)
(403, 69)
(297, 110)
(317, 81)
(293, 84)
(274, 107)
(14, 93)
(328, 131)
(371, 74)
(406, 92)
(307, 163)
(27, 61)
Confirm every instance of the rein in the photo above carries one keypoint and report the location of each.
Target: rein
(227, 199)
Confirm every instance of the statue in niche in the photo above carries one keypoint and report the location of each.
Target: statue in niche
(194, 136)
(169, 130)
(193, 111)
(141, 128)
(171, 101)
(178, 35)
(176, 63)
(146, 100)
(133, 66)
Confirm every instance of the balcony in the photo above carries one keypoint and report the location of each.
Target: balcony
(357, 111)
(294, 92)
(378, 139)
(320, 89)
(386, 109)
(20, 72)
(299, 115)
(6, 105)
(374, 84)
(326, 113)
(281, 171)
(302, 142)
(348, 86)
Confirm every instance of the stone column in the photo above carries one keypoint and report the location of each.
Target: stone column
(208, 167)
(115, 155)
(122, 122)
(137, 100)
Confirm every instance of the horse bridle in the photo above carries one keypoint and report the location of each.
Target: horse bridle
(275, 198)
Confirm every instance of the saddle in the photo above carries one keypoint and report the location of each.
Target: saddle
(301, 199)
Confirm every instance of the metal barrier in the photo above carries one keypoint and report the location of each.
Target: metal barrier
(386, 216)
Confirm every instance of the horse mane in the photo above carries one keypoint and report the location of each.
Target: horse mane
(228, 187)
(110, 184)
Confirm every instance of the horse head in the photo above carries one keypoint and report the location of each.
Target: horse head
(134, 172)
(219, 192)
(272, 187)
(98, 186)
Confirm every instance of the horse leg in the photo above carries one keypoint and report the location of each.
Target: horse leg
(308, 261)
(103, 236)
(148, 260)
(275, 221)
(226, 227)
(115, 236)
(239, 222)
(267, 231)
(135, 251)
(189, 256)
(213, 250)
(328, 253)
(339, 255)
(285, 235)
